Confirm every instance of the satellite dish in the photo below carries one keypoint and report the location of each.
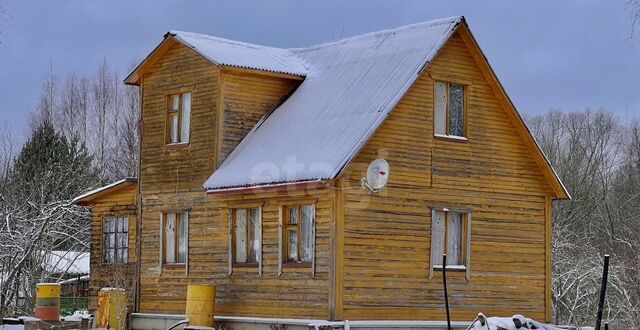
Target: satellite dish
(377, 175)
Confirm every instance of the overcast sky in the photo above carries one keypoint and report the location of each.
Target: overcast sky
(568, 55)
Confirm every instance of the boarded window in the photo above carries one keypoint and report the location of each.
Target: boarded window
(449, 114)
(298, 241)
(178, 118)
(175, 237)
(115, 247)
(246, 235)
(451, 235)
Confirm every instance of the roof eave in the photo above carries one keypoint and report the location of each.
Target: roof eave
(267, 187)
(87, 198)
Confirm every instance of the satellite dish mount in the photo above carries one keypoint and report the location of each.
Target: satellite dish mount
(377, 176)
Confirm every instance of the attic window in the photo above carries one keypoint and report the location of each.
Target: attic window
(178, 118)
(449, 114)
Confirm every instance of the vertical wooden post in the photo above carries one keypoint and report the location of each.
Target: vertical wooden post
(444, 283)
(603, 289)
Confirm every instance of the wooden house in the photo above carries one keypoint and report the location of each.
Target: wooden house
(250, 178)
(113, 238)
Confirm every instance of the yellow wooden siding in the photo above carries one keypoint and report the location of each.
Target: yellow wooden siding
(246, 99)
(171, 180)
(171, 176)
(387, 235)
(118, 203)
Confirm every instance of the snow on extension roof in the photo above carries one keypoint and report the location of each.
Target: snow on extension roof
(351, 87)
(241, 54)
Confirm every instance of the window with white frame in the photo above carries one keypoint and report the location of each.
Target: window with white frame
(246, 236)
(450, 235)
(115, 243)
(449, 114)
(175, 237)
(178, 124)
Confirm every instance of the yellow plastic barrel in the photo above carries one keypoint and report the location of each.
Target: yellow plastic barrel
(201, 304)
(48, 301)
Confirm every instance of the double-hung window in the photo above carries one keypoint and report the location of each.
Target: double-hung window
(115, 243)
(178, 118)
(298, 235)
(175, 237)
(449, 114)
(246, 236)
(450, 235)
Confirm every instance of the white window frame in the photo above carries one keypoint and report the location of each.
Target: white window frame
(466, 240)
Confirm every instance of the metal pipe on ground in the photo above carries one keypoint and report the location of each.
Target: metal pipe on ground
(444, 283)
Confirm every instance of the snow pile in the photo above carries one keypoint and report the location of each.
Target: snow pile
(516, 322)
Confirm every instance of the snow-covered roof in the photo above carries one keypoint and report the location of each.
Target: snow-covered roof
(350, 88)
(90, 195)
(241, 54)
(70, 262)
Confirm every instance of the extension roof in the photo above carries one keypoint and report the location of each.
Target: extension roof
(350, 86)
(90, 196)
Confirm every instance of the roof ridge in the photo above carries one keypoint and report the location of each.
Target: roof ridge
(177, 33)
(434, 22)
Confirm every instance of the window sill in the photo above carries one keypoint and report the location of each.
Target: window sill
(455, 268)
(245, 265)
(451, 138)
(296, 265)
(173, 266)
(114, 264)
(177, 145)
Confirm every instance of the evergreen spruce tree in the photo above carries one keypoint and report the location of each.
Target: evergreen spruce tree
(52, 168)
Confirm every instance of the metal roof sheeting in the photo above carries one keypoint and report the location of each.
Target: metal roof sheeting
(351, 87)
(242, 55)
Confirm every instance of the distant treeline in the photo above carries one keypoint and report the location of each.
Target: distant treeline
(597, 156)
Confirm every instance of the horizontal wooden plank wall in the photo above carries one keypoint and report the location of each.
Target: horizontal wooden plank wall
(245, 99)
(294, 294)
(387, 235)
(118, 203)
(172, 177)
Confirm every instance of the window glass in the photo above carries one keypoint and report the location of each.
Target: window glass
(174, 129)
(241, 236)
(182, 237)
(293, 216)
(454, 238)
(170, 235)
(456, 110)
(254, 246)
(115, 240)
(293, 245)
(185, 117)
(307, 232)
(437, 237)
(440, 114)
(175, 103)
